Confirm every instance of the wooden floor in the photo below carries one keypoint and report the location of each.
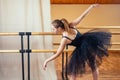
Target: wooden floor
(109, 70)
(102, 76)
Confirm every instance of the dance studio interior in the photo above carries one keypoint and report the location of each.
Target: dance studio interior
(27, 40)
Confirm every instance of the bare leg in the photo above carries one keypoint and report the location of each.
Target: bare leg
(72, 77)
(95, 74)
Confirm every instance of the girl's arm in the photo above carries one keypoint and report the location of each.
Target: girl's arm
(78, 20)
(59, 51)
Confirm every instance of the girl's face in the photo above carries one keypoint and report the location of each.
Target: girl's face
(56, 30)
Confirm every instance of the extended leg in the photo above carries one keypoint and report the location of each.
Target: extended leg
(95, 74)
(72, 77)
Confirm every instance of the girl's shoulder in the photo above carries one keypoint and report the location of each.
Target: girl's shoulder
(71, 25)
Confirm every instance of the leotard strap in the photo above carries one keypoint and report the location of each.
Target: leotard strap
(66, 37)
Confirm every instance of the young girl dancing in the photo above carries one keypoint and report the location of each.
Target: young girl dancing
(91, 46)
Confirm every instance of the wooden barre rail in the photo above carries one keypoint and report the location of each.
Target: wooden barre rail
(116, 43)
(115, 33)
(50, 33)
(33, 51)
(69, 50)
(54, 50)
(32, 33)
(42, 33)
(9, 34)
(99, 27)
(9, 51)
(45, 51)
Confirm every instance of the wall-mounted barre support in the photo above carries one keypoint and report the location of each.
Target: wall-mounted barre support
(28, 51)
(22, 51)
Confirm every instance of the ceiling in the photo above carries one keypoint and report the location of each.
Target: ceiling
(85, 1)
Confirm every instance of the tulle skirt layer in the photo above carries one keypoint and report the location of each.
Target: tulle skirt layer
(94, 46)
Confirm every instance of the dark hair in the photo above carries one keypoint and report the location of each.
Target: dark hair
(63, 23)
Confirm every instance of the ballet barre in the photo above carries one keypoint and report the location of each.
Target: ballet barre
(28, 50)
(47, 50)
(35, 51)
(26, 33)
(99, 27)
(114, 43)
(9, 51)
(115, 33)
(9, 34)
(22, 51)
(50, 33)
(39, 33)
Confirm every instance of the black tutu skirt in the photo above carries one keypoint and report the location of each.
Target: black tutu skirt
(93, 46)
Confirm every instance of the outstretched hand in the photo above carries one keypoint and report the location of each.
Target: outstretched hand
(45, 65)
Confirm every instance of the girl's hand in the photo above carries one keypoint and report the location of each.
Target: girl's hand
(95, 5)
(45, 65)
